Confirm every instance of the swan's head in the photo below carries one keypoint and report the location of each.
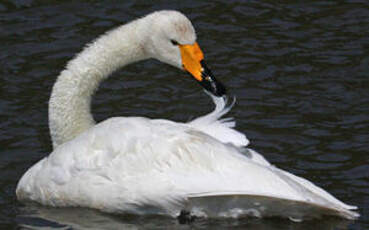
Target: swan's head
(172, 40)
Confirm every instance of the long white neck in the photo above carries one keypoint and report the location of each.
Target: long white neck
(70, 101)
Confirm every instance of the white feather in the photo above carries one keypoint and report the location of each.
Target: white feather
(221, 129)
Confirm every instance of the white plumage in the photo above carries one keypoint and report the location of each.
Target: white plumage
(140, 165)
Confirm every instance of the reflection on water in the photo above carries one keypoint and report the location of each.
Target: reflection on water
(300, 72)
(36, 217)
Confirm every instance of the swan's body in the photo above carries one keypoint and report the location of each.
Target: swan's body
(140, 165)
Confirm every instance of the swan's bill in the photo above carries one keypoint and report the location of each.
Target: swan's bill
(193, 62)
(210, 83)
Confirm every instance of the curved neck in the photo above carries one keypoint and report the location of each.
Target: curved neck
(70, 101)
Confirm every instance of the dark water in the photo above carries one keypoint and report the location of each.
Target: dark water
(300, 73)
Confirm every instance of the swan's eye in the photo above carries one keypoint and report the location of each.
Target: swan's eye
(174, 42)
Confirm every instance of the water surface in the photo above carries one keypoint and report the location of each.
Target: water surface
(300, 73)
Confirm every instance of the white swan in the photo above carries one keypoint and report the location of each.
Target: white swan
(140, 165)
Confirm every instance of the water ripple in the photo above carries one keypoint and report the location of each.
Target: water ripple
(300, 72)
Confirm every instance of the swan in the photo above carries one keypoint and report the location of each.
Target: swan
(154, 166)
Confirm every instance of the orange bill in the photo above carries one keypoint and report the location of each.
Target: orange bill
(191, 58)
(193, 62)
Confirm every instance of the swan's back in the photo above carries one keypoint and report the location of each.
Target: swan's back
(138, 165)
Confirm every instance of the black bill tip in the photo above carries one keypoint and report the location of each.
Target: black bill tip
(210, 83)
